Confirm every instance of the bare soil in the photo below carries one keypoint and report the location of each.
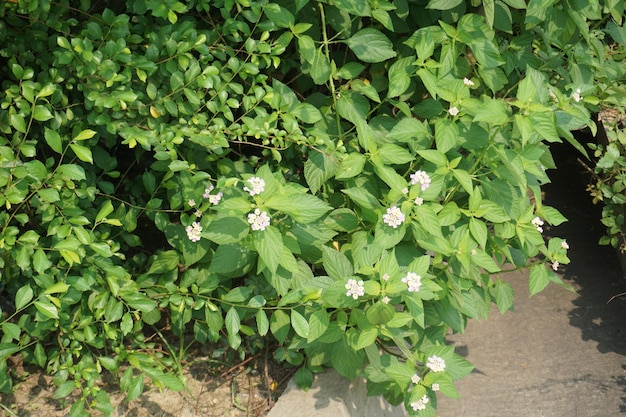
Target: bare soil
(247, 389)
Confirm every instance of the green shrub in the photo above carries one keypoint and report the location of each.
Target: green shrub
(347, 177)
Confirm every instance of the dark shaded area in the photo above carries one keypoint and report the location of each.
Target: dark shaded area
(595, 269)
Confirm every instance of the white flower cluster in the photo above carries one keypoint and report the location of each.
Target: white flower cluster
(453, 110)
(394, 217)
(257, 185)
(538, 223)
(420, 404)
(421, 178)
(576, 95)
(258, 220)
(436, 364)
(193, 231)
(355, 288)
(213, 198)
(468, 82)
(413, 280)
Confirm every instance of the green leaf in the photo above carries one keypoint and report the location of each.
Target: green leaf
(478, 229)
(7, 349)
(83, 153)
(395, 154)
(303, 208)
(504, 295)
(18, 122)
(318, 324)
(320, 67)
(165, 262)
(306, 112)
(399, 79)
(269, 245)
(351, 166)
(64, 390)
(435, 156)
(443, 4)
(226, 230)
(300, 324)
(41, 113)
(47, 309)
(380, 313)
(354, 7)
(336, 264)
(371, 45)
(23, 296)
(539, 278)
(85, 134)
(279, 325)
(342, 220)
(278, 15)
(105, 210)
(232, 321)
(139, 301)
(551, 215)
(318, 169)
(12, 330)
(303, 378)
(262, 323)
(57, 288)
(345, 359)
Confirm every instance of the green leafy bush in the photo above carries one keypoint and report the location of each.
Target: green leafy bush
(347, 177)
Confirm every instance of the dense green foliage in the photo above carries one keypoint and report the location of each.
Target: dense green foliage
(346, 177)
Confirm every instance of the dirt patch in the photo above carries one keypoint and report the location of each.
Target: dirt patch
(246, 389)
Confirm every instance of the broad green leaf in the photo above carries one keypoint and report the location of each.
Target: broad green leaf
(478, 229)
(493, 111)
(345, 359)
(539, 278)
(165, 262)
(320, 67)
(139, 301)
(47, 309)
(353, 107)
(57, 288)
(306, 112)
(354, 7)
(12, 330)
(443, 4)
(303, 378)
(269, 245)
(342, 220)
(399, 79)
(367, 337)
(446, 134)
(504, 295)
(371, 45)
(105, 210)
(303, 208)
(64, 389)
(8, 349)
(85, 134)
(395, 154)
(318, 169)
(435, 156)
(380, 313)
(278, 15)
(232, 321)
(227, 230)
(23, 296)
(41, 113)
(336, 264)
(279, 325)
(18, 123)
(318, 324)
(300, 324)
(551, 215)
(82, 152)
(351, 166)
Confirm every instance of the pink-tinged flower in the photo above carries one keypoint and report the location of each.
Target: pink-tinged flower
(453, 110)
(537, 222)
(436, 364)
(257, 186)
(420, 404)
(207, 191)
(193, 231)
(421, 178)
(413, 280)
(215, 198)
(258, 220)
(394, 217)
(191, 203)
(355, 288)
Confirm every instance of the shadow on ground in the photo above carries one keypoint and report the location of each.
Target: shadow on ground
(594, 269)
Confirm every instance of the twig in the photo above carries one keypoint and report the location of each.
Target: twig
(615, 296)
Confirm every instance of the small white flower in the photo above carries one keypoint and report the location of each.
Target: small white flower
(420, 404)
(473, 252)
(257, 186)
(537, 222)
(419, 201)
(208, 190)
(198, 213)
(436, 364)
(468, 82)
(555, 265)
(258, 220)
(453, 111)
(576, 95)
(215, 198)
(415, 378)
(564, 245)
(405, 191)
(553, 96)
(355, 288)
(413, 280)
(394, 217)
(191, 203)
(386, 300)
(421, 178)
(435, 387)
(193, 231)
(386, 277)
